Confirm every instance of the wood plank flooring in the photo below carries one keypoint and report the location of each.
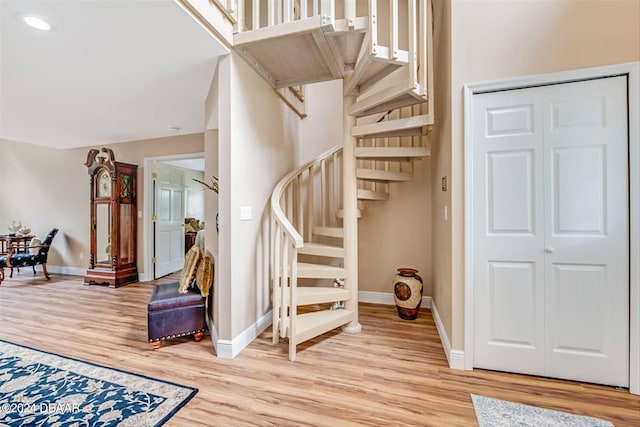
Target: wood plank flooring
(393, 373)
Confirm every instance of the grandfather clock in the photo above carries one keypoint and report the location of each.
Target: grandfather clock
(112, 260)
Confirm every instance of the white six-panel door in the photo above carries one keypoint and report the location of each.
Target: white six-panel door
(551, 255)
(169, 224)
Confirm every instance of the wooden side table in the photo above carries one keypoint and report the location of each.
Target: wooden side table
(21, 243)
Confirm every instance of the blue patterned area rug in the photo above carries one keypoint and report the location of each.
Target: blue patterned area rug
(44, 389)
(500, 413)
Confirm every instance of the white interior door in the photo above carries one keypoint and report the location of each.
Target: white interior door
(587, 231)
(551, 232)
(509, 262)
(169, 223)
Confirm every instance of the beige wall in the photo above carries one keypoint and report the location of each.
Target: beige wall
(441, 163)
(54, 191)
(493, 40)
(397, 233)
(256, 137)
(322, 128)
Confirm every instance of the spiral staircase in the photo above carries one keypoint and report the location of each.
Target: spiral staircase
(382, 49)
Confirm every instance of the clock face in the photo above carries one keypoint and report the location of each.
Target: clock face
(104, 184)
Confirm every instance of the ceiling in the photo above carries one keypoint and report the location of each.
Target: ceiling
(109, 71)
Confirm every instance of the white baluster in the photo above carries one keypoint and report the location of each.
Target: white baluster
(255, 14)
(393, 15)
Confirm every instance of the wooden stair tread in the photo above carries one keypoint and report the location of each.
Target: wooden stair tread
(382, 175)
(316, 323)
(392, 153)
(321, 249)
(372, 195)
(408, 126)
(320, 271)
(328, 231)
(318, 295)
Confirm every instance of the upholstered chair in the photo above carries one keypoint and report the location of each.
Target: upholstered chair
(37, 254)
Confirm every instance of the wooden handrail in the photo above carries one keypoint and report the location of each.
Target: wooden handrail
(279, 216)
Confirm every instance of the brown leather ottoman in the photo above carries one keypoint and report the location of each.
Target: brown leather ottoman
(171, 314)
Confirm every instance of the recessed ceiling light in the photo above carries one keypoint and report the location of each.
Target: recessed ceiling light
(33, 21)
(174, 129)
(36, 22)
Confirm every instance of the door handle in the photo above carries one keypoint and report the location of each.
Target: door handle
(548, 250)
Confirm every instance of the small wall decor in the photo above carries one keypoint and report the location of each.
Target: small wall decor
(407, 293)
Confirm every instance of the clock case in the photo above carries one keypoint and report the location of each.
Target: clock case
(112, 259)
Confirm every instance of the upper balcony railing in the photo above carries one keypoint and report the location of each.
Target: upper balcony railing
(249, 15)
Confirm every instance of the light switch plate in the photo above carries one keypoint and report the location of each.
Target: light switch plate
(245, 213)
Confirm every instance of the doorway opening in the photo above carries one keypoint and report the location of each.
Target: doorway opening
(170, 197)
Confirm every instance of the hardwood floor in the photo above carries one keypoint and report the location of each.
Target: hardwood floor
(393, 373)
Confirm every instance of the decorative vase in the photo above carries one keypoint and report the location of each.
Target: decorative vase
(407, 293)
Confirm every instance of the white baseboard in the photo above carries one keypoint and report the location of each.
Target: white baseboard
(75, 271)
(386, 298)
(72, 271)
(456, 360)
(228, 349)
(454, 357)
(212, 331)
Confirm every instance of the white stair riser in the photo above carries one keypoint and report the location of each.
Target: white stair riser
(328, 231)
(391, 153)
(416, 125)
(372, 195)
(304, 297)
(383, 176)
(318, 271)
(321, 250)
(340, 213)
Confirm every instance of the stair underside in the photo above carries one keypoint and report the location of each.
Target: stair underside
(409, 126)
(303, 51)
(316, 323)
(396, 90)
(391, 153)
(321, 249)
(382, 175)
(372, 66)
(318, 295)
(319, 271)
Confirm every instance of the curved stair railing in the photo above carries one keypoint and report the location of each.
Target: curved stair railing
(301, 206)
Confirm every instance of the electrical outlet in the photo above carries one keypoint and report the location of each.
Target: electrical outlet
(81, 255)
